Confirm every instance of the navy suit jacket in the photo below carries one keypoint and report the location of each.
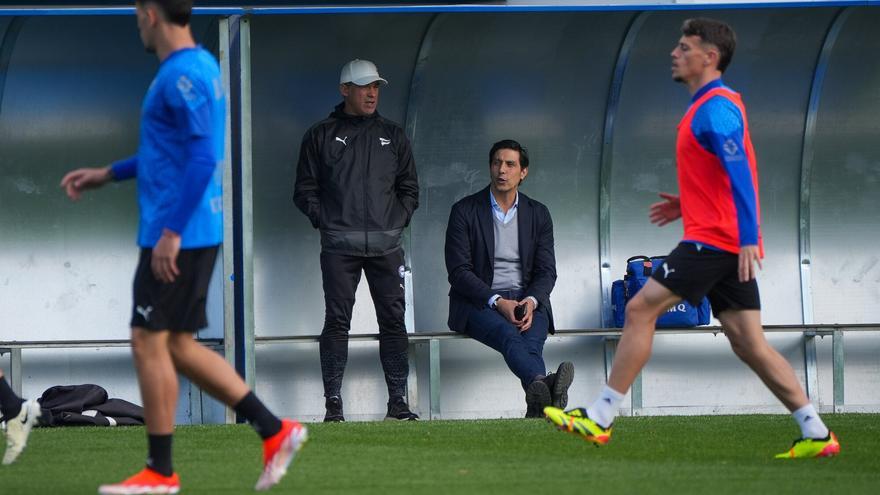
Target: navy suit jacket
(470, 255)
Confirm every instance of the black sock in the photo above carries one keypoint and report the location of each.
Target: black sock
(264, 422)
(159, 459)
(10, 404)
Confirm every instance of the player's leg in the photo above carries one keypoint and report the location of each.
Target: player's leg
(158, 384)
(689, 272)
(633, 351)
(159, 390)
(207, 369)
(340, 275)
(157, 380)
(746, 335)
(282, 439)
(20, 416)
(634, 348)
(213, 374)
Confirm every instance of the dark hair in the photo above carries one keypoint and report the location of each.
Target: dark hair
(176, 11)
(510, 144)
(715, 33)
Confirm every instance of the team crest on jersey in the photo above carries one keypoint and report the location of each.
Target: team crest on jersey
(184, 85)
(730, 147)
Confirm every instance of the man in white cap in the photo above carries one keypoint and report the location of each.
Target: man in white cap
(356, 182)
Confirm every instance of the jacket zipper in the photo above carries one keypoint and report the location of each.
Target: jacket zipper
(365, 174)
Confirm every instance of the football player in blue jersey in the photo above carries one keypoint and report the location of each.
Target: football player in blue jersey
(178, 172)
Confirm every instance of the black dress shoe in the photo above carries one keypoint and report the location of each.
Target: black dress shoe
(559, 382)
(537, 398)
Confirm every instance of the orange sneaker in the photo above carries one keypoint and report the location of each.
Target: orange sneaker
(146, 481)
(278, 452)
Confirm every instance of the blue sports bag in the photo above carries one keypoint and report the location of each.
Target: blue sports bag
(638, 271)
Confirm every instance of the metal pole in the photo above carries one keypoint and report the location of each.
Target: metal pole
(228, 276)
(434, 377)
(247, 214)
(838, 360)
(811, 368)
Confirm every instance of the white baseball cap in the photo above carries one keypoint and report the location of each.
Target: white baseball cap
(360, 72)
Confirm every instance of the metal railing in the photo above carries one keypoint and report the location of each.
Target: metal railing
(432, 341)
(611, 335)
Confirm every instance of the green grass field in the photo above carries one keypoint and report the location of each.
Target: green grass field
(704, 454)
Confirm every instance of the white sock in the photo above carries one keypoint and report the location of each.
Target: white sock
(604, 410)
(810, 422)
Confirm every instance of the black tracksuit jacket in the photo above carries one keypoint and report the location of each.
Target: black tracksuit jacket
(356, 181)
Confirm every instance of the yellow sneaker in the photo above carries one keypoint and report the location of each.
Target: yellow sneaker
(805, 448)
(576, 421)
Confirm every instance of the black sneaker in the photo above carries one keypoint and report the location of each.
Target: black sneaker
(537, 398)
(558, 384)
(334, 410)
(398, 410)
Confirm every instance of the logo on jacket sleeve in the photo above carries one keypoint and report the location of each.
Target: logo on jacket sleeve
(384, 142)
(342, 140)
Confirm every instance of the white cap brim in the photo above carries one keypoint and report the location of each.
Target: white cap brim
(364, 81)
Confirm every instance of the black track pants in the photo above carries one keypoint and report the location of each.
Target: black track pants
(341, 274)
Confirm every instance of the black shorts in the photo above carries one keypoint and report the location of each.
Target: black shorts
(695, 273)
(180, 305)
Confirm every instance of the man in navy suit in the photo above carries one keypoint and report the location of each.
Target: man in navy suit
(502, 268)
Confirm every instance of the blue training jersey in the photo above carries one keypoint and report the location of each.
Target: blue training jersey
(185, 104)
